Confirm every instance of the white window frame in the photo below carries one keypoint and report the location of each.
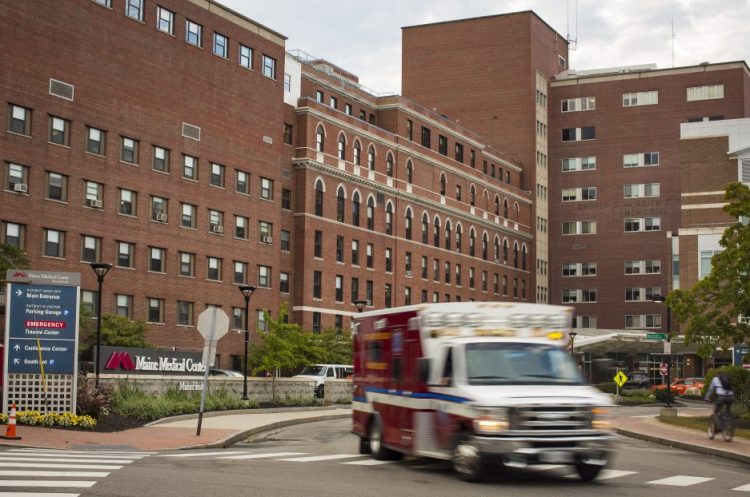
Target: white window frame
(707, 92)
(220, 49)
(165, 20)
(194, 30)
(246, 56)
(587, 227)
(134, 9)
(572, 164)
(643, 159)
(577, 104)
(640, 98)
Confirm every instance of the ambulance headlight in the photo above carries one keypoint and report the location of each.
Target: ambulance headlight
(600, 418)
(491, 422)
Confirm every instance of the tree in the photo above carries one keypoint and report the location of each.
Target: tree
(710, 310)
(117, 331)
(335, 346)
(12, 258)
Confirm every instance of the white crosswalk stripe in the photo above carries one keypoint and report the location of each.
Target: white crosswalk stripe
(680, 481)
(264, 456)
(606, 474)
(368, 462)
(16, 458)
(47, 483)
(36, 494)
(743, 488)
(112, 453)
(201, 454)
(55, 474)
(329, 457)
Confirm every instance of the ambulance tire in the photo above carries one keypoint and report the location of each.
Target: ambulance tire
(364, 446)
(588, 472)
(468, 462)
(375, 442)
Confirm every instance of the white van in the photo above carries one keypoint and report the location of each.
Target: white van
(321, 372)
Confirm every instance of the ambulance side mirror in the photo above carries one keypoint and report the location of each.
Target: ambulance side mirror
(423, 369)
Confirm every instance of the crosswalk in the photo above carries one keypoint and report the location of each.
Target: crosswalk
(563, 471)
(45, 472)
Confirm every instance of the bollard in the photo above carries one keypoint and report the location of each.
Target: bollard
(10, 432)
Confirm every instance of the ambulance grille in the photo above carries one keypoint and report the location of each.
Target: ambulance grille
(550, 418)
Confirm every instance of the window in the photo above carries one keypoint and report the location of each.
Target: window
(371, 158)
(579, 164)
(246, 57)
(334, 102)
(187, 264)
(339, 282)
(442, 145)
(635, 224)
(284, 282)
(265, 231)
(286, 199)
(241, 225)
(639, 160)
(317, 285)
(579, 134)
(370, 256)
(213, 268)
(288, 128)
(93, 194)
(57, 187)
(159, 209)
(242, 182)
(641, 294)
(124, 305)
(409, 130)
(262, 323)
(59, 131)
(127, 205)
(129, 150)
(578, 104)
(355, 252)
(425, 137)
(640, 98)
(266, 189)
(706, 257)
(355, 209)
(165, 20)
(641, 190)
(269, 67)
(348, 109)
(318, 244)
(125, 254)
(134, 9)
(217, 175)
(188, 216)
(89, 302)
(459, 152)
(161, 159)
(339, 248)
(318, 198)
(155, 310)
(221, 45)
(409, 173)
(578, 194)
(190, 167)
(240, 272)
(643, 267)
(193, 33)
(17, 178)
(578, 295)
(185, 311)
(319, 96)
(157, 260)
(447, 272)
(285, 240)
(424, 267)
(90, 248)
(370, 214)
(705, 92)
(579, 228)
(579, 269)
(389, 165)
(388, 292)
(19, 120)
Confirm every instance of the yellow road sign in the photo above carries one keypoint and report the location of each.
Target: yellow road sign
(620, 378)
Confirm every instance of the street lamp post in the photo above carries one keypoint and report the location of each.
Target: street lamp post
(662, 299)
(572, 342)
(101, 269)
(247, 291)
(360, 304)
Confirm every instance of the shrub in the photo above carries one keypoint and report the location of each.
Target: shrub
(665, 395)
(93, 401)
(50, 420)
(740, 382)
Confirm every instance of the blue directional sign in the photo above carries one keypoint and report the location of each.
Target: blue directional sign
(57, 356)
(739, 353)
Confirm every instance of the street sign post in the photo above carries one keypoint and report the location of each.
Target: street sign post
(656, 336)
(213, 323)
(620, 380)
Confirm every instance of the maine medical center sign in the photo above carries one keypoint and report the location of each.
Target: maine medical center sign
(131, 360)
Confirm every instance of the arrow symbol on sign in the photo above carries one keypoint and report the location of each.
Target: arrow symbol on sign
(17, 348)
(16, 361)
(19, 293)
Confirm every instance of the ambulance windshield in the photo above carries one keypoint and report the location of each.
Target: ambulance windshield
(493, 363)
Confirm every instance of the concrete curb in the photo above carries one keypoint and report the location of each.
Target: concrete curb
(226, 442)
(212, 414)
(685, 446)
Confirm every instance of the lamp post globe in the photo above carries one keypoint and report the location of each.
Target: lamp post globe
(360, 304)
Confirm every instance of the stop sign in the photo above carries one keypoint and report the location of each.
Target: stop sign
(663, 369)
(216, 318)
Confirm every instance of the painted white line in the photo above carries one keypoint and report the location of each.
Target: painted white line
(368, 462)
(28, 455)
(36, 494)
(644, 416)
(606, 474)
(47, 484)
(544, 467)
(15, 458)
(202, 454)
(55, 474)
(34, 464)
(743, 488)
(321, 458)
(261, 456)
(116, 453)
(681, 481)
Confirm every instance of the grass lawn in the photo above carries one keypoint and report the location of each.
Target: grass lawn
(699, 423)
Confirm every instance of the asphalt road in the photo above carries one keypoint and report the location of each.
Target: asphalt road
(320, 459)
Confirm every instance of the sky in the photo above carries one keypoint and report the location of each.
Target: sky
(365, 37)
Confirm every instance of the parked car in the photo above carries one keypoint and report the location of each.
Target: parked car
(681, 385)
(637, 379)
(319, 373)
(225, 372)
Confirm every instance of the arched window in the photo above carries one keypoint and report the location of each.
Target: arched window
(515, 211)
(320, 139)
(436, 232)
(370, 213)
(442, 184)
(505, 208)
(319, 198)
(340, 199)
(448, 233)
(505, 251)
(496, 251)
(458, 238)
(485, 243)
(523, 257)
(409, 172)
(371, 158)
(357, 153)
(472, 242)
(515, 254)
(472, 196)
(497, 205)
(342, 147)
(407, 224)
(486, 198)
(389, 219)
(425, 228)
(355, 209)
(389, 165)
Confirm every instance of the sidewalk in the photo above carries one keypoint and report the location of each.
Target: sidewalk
(223, 429)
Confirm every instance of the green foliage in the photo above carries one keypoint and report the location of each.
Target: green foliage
(665, 395)
(740, 378)
(50, 420)
(12, 258)
(93, 401)
(710, 309)
(117, 331)
(335, 346)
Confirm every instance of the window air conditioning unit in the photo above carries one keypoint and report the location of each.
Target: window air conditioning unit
(21, 187)
(161, 217)
(408, 273)
(266, 239)
(497, 261)
(217, 228)
(95, 203)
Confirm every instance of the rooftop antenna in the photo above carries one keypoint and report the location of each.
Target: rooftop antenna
(673, 42)
(572, 41)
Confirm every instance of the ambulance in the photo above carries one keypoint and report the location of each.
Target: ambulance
(478, 384)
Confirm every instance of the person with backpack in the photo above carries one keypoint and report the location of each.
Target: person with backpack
(721, 385)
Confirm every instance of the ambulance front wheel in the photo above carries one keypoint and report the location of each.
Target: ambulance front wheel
(467, 461)
(375, 442)
(364, 445)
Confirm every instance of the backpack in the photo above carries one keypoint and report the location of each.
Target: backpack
(726, 383)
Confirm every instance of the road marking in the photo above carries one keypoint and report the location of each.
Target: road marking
(321, 458)
(544, 467)
(115, 453)
(606, 474)
(36, 494)
(202, 454)
(24, 455)
(15, 458)
(55, 474)
(743, 488)
(644, 416)
(47, 484)
(261, 456)
(681, 481)
(34, 464)
(368, 462)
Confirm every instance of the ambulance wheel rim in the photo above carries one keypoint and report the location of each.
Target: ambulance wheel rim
(375, 438)
(466, 458)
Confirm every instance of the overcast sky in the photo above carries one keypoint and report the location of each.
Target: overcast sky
(365, 37)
